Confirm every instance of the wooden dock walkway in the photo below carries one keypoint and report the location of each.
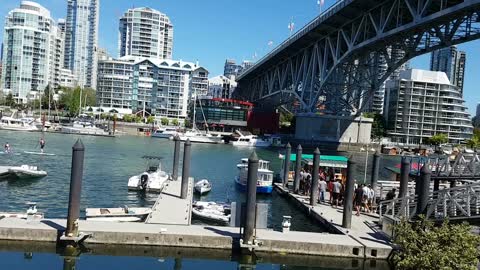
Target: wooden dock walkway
(170, 208)
(364, 229)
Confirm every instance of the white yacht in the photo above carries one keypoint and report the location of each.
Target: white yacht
(250, 140)
(166, 132)
(152, 180)
(84, 125)
(200, 137)
(10, 123)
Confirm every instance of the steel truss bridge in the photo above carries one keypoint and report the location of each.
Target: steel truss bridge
(337, 61)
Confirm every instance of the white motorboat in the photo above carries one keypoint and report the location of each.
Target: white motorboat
(123, 214)
(211, 211)
(27, 171)
(200, 137)
(250, 140)
(31, 213)
(264, 176)
(152, 180)
(10, 123)
(203, 186)
(84, 128)
(165, 132)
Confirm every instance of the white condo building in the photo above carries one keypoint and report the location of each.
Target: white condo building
(221, 86)
(424, 103)
(81, 39)
(160, 86)
(145, 32)
(32, 51)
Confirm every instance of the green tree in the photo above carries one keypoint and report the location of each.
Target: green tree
(378, 125)
(89, 97)
(164, 121)
(137, 118)
(187, 123)
(438, 139)
(150, 119)
(474, 142)
(175, 122)
(47, 98)
(425, 246)
(9, 101)
(127, 118)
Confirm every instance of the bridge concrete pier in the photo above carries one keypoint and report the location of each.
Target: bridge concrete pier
(330, 128)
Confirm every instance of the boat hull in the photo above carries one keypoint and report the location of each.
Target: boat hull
(260, 189)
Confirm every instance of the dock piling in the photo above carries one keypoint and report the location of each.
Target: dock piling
(286, 167)
(298, 166)
(176, 158)
(251, 198)
(404, 176)
(348, 198)
(423, 190)
(375, 173)
(314, 187)
(186, 168)
(78, 153)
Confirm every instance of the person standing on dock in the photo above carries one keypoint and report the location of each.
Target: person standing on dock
(357, 199)
(322, 187)
(42, 144)
(337, 188)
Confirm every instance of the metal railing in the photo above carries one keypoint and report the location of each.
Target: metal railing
(461, 202)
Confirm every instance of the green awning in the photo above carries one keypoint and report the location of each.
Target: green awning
(325, 160)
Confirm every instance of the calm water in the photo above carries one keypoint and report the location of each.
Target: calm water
(109, 162)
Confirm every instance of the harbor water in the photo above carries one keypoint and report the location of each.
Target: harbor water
(109, 162)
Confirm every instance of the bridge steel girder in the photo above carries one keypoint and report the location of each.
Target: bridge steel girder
(339, 69)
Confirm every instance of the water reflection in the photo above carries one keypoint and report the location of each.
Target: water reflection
(14, 255)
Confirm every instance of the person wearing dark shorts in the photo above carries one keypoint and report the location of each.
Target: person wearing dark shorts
(42, 144)
(357, 199)
(337, 187)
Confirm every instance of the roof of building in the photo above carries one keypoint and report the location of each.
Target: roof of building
(427, 76)
(161, 63)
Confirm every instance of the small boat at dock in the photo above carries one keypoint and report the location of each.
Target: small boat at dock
(152, 180)
(122, 214)
(211, 211)
(264, 176)
(27, 171)
(203, 186)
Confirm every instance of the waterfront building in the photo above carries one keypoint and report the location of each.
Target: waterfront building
(231, 68)
(81, 39)
(221, 87)
(424, 103)
(102, 54)
(222, 114)
(145, 32)
(67, 78)
(31, 50)
(451, 61)
(160, 87)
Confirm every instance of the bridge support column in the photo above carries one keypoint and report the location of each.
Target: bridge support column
(404, 176)
(423, 190)
(348, 199)
(298, 167)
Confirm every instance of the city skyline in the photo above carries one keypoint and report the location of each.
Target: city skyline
(226, 33)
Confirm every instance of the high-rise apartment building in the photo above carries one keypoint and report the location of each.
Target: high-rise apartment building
(423, 103)
(31, 48)
(232, 69)
(81, 39)
(160, 86)
(145, 32)
(221, 87)
(451, 61)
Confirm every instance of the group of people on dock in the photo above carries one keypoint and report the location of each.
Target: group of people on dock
(334, 186)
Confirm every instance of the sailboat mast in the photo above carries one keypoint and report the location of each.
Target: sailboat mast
(80, 107)
(194, 124)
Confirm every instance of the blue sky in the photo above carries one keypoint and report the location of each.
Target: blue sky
(212, 30)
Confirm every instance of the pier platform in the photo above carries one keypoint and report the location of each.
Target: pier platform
(170, 208)
(364, 230)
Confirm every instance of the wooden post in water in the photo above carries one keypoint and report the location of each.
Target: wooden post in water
(404, 176)
(186, 168)
(298, 167)
(176, 158)
(314, 187)
(348, 198)
(286, 165)
(251, 198)
(78, 153)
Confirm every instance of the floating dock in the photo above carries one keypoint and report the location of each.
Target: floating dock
(170, 208)
(364, 230)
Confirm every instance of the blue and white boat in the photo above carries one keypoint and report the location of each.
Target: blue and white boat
(264, 178)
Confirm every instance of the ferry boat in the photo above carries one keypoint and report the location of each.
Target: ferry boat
(264, 176)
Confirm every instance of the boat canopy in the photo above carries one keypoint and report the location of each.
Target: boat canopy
(325, 160)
